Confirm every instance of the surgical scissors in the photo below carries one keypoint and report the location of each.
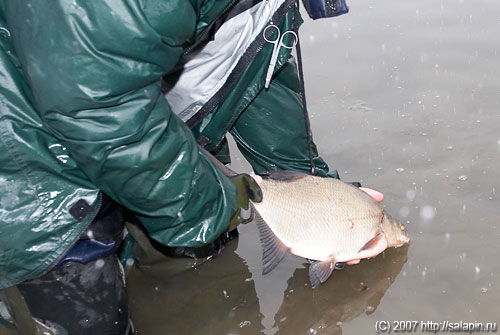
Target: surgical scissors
(278, 44)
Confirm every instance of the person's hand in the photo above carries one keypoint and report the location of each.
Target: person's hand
(374, 194)
(248, 189)
(257, 178)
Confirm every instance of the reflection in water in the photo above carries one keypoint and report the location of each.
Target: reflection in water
(343, 297)
(218, 297)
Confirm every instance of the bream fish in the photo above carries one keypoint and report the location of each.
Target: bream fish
(322, 219)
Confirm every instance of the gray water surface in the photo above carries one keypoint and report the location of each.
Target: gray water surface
(404, 97)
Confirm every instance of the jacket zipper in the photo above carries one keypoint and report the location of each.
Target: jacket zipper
(208, 30)
(245, 60)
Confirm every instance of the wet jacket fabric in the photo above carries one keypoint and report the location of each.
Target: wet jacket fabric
(88, 105)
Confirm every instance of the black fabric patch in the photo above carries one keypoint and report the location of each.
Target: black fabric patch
(80, 210)
(203, 141)
(285, 175)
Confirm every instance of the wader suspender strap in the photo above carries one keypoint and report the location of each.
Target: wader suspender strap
(16, 306)
(303, 91)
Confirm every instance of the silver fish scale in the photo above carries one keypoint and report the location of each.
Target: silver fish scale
(319, 218)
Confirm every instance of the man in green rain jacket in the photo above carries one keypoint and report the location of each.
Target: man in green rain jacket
(102, 105)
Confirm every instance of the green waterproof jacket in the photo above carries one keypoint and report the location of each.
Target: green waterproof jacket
(113, 95)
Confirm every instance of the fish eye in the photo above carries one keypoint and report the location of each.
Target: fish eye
(402, 227)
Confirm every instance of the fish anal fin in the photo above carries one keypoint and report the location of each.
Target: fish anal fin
(373, 243)
(284, 175)
(319, 272)
(273, 250)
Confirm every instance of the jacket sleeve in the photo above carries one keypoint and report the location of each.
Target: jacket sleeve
(94, 68)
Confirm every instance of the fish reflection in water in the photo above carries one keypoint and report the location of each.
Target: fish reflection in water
(354, 290)
(219, 297)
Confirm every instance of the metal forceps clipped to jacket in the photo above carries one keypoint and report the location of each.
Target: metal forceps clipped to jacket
(279, 43)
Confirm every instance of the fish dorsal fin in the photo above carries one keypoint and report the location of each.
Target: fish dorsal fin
(273, 250)
(284, 175)
(319, 272)
(372, 243)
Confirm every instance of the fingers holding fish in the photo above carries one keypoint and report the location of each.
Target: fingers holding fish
(257, 178)
(374, 194)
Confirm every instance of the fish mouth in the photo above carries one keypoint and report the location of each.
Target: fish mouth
(405, 241)
(407, 237)
(400, 245)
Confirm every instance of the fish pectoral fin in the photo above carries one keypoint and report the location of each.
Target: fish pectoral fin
(319, 272)
(284, 175)
(273, 250)
(371, 244)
